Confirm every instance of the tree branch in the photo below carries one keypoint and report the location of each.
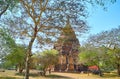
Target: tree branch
(4, 10)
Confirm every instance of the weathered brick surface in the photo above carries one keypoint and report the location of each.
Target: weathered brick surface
(67, 45)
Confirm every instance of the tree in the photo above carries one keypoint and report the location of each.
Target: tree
(90, 56)
(108, 38)
(16, 58)
(93, 56)
(46, 17)
(114, 55)
(11, 54)
(7, 43)
(5, 4)
(111, 42)
(47, 59)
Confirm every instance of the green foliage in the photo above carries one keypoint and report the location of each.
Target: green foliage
(7, 43)
(96, 56)
(10, 54)
(114, 55)
(16, 57)
(39, 67)
(103, 50)
(47, 58)
(88, 56)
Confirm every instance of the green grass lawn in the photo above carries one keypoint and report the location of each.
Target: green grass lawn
(10, 74)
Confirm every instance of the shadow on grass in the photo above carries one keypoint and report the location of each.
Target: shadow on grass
(47, 76)
(57, 77)
(110, 75)
(31, 74)
(9, 78)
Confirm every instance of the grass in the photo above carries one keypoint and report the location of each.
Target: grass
(10, 74)
(58, 77)
(9, 78)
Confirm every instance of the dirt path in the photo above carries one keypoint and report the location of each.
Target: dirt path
(8, 74)
(77, 75)
(82, 76)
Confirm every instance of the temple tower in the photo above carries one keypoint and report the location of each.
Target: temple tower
(67, 45)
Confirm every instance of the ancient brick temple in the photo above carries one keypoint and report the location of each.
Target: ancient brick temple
(67, 45)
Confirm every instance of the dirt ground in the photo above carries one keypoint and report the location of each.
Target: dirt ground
(10, 74)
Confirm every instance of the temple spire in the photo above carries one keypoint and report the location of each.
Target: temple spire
(68, 22)
(67, 46)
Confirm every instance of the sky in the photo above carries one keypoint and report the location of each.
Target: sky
(101, 20)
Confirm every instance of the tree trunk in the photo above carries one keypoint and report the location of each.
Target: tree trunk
(27, 67)
(29, 54)
(27, 63)
(16, 67)
(118, 69)
(44, 74)
(100, 72)
(50, 71)
(20, 68)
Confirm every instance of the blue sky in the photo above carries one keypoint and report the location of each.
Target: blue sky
(101, 20)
